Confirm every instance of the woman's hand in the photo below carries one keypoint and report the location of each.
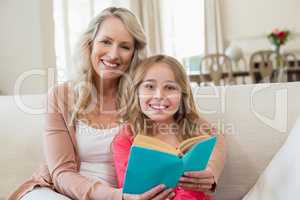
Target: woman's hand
(202, 181)
(157, 193)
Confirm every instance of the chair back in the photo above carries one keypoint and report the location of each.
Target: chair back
(262, 65)
(290, 60)
(219, 69)
(292, 66)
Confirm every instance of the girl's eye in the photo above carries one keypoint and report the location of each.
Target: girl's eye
(147, 86)
(171, 87)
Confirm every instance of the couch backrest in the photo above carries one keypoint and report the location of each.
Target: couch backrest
(256, 120)
(252, 132)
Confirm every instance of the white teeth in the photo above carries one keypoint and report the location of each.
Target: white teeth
(110, 64)
(158, 107)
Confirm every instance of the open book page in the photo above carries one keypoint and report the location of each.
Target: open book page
(154, 143)
(196, 158)
(188, 143)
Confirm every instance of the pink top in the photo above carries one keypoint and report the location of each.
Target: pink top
(121, 149)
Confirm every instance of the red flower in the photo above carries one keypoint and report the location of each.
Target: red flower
(281, 35)
(278, 37)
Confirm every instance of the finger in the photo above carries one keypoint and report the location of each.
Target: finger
(171, 195)
(208, 192)
(198, 187)
(202, 186)
(164, 195)
(185, 179)
(199, 174)
(152, 192)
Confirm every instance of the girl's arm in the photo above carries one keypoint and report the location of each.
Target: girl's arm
(206, 180)
(217, 159)
(121, 150)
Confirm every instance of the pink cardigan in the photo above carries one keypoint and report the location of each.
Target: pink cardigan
(61, 171)
(121, 149)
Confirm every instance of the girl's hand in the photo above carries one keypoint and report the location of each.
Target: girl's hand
(157, 193)
(202, 181)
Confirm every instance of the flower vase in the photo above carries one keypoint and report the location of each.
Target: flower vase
(280, 69)
(278, 57)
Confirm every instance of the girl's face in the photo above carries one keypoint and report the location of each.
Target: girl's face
(112, 49)
(159, 94)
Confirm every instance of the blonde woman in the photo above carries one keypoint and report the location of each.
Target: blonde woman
(162, 106)
(82, 117)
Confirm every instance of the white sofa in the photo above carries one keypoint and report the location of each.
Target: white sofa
(255, 118)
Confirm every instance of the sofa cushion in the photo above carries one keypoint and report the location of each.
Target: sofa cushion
(21, 130)
(281, 178)
(256, 119)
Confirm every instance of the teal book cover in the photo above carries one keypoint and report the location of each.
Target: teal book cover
(151, 165)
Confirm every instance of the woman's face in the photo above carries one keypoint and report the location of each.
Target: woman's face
(112, 49)
(159, 93)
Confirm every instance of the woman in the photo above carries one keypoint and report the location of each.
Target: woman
(82, 117)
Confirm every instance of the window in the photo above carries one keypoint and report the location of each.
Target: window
(183, 28)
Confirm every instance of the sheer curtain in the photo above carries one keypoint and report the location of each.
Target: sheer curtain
(173, 27)
(183, 27)
(214, 39)
(149, 14)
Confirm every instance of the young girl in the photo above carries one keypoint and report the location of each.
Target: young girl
(162, 106)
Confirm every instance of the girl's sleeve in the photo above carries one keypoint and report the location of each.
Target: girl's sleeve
(121, 149)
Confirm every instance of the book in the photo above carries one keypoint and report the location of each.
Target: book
(152, 162)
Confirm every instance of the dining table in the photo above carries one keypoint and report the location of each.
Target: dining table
(293, 74)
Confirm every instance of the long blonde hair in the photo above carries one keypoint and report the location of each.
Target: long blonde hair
(82, 77)
(187, 117)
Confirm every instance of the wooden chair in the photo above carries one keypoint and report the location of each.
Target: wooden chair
(262, 66)
(216, 68)
(291, 63)
(290, 60)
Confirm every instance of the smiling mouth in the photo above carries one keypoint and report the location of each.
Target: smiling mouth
(109, 65)
(158, 107)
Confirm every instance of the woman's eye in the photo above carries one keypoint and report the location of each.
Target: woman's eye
(106, 42)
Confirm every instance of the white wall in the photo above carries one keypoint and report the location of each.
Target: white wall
(27, 43)
(247, 22)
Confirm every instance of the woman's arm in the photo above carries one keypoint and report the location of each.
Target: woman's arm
(121, 150)
(61, 158)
